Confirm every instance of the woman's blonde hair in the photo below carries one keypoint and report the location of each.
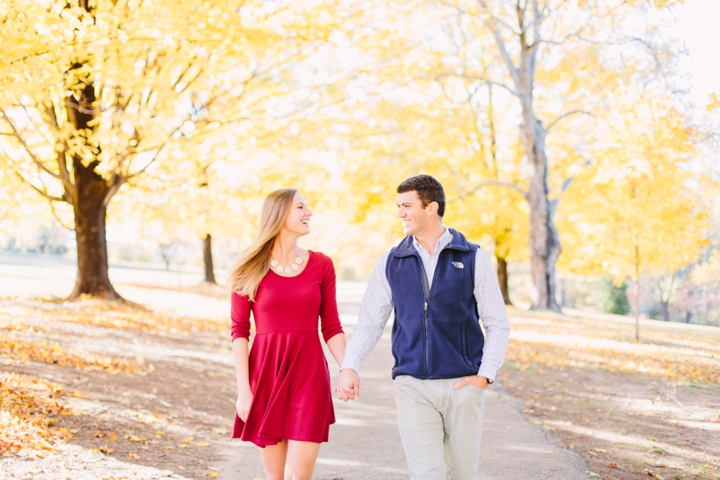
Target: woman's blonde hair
(253, 263)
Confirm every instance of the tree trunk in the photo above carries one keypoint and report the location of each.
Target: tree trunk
(637, 293)
(544, 238)
(665, 311)
(90, 195)
(90, 211)
(502, 275)
(665, 298)
(208, 259)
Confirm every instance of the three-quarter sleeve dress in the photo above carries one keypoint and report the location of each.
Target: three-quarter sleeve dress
(288, 373)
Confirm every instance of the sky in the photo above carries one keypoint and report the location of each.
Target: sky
(698, 22)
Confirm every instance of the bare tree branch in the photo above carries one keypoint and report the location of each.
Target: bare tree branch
(20, 138)
(486, 81)
(490, 23)
(115, 184)
(567, 114)
(491, 182)
(42, 192)
(69, 186)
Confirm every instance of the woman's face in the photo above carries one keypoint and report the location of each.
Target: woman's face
(298, 220)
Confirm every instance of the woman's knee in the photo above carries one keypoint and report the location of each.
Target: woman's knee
(298, 474)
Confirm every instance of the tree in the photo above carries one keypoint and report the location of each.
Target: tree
(555, 58)
(102, 92)
(637, 204)
(549, 65)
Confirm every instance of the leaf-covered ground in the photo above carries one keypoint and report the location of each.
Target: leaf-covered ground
(91, 390)
(632, 410)
(102, 390)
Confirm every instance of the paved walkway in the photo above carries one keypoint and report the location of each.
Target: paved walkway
(365, 444)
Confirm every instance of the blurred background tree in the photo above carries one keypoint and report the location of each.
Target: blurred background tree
(103, 92)
(549, 123)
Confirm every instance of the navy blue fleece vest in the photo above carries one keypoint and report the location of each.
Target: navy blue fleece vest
(444, 341)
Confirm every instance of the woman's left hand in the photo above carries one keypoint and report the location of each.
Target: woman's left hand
(242, 406)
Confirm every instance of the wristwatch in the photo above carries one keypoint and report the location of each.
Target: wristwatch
(490, 382)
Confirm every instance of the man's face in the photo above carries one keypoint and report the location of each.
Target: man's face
(414, 217)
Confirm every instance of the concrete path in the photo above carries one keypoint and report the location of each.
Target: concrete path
(365, 444)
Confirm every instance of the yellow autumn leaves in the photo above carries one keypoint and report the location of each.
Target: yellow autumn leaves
(570, 342)
(27, 408)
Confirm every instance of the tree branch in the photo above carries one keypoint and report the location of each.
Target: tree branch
(514, 72)
(38, 190)
(492, 182)
(70, 187)
(571, 112)
(115, 184)
(486, 81)
(19, 137)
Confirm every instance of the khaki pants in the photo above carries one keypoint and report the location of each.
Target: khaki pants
(440, 427)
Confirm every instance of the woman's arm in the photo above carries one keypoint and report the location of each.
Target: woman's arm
(337, 347)
(245, 396)
(240, 333)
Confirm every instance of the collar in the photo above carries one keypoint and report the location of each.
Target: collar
(457, 242)
(444, 239)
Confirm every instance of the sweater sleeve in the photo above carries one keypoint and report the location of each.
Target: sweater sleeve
(329, 316)
(240, 316)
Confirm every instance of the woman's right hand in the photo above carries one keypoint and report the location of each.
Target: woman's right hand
(242, 406)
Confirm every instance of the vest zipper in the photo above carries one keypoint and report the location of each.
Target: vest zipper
(426, 293)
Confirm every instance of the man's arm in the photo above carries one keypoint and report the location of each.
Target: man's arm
(374, 313)
(491, 309)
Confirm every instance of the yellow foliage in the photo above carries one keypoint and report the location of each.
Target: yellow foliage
(53, 353)
(714, 102)
(27, 408)
(116, 316)
(637, 207)
(562, 342)
(105, 94)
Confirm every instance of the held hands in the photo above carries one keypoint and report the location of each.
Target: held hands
(348, 385)
(242, 406)
(475, 380)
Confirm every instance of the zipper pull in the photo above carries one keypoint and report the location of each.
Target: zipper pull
(426, 306)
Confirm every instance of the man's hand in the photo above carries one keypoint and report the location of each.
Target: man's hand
(242, 406)
(475, 380)
(348, 385)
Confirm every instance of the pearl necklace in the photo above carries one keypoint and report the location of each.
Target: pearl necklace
(288, 270)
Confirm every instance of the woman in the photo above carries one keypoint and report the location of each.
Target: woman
(284, 401)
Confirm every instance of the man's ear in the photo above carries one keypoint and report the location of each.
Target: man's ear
(432, 208)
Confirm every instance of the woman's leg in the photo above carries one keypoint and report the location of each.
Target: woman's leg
(273, 458)
(300, 461)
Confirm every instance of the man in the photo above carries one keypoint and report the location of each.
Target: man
(439, 285)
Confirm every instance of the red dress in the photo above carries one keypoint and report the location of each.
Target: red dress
(289, 375)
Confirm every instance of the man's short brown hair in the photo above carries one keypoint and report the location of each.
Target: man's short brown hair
(428, 189)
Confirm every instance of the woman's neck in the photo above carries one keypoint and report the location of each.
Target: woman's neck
(286, 249)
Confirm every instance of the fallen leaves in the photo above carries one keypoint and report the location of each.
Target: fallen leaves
(109, 435)
(575, 342)
(27, 405)
(53, 353)
(133, 438)
(117, 316)
(104, 449)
